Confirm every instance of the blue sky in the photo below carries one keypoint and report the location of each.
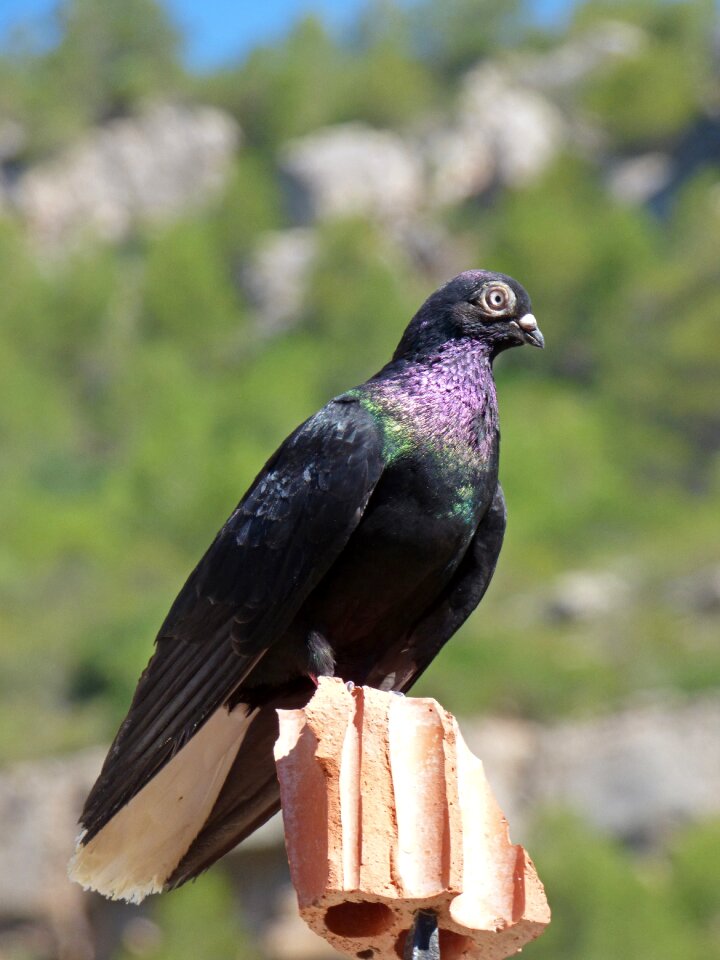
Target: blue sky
(220, 30)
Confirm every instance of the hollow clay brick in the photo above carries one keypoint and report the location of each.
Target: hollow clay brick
(386, 811)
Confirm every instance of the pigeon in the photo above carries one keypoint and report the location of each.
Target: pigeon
(363, 544)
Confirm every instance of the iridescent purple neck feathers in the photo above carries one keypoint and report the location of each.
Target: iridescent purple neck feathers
(446, 400)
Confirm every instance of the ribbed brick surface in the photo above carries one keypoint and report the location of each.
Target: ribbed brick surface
(387, 811)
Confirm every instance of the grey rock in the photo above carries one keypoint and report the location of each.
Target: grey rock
(276, 277)
(635, 774)
(508, 125)
(39, 807)
(351, 170)
(169, 159)
(460, 162)
(568, 63)
(524, 129)
(638, 179)
(503, 132)
(699, 593)
(586, 595)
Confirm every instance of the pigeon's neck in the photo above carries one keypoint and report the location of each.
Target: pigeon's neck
(446, 398)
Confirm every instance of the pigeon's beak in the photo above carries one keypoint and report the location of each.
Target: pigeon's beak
(530, 331)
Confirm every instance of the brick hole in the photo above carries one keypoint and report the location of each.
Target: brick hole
(365, 954)
(363, 919)
(453, 945)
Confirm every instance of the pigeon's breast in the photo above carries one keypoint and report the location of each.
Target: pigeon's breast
(413, 535)
(440, 448)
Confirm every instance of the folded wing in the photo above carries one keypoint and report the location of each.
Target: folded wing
(273, 550)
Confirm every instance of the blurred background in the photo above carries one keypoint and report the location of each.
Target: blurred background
(212, 218)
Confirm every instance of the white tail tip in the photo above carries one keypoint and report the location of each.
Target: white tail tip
(139, 848)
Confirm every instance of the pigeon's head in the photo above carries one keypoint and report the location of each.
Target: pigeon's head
(480, 305)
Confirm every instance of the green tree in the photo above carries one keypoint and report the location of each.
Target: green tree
(579, 253)
(605, 903)
(648, 98)
(286, 90)
(108, 58)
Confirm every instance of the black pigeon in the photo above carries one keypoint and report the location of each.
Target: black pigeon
(364, 543)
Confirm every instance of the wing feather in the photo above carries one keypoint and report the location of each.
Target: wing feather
(272, 551)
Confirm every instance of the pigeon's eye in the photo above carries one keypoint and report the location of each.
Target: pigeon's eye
(496, 298)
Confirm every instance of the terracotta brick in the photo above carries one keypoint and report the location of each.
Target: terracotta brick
(386, 812)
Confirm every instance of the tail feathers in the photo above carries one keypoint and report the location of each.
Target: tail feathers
(136, 852)
(249, 797)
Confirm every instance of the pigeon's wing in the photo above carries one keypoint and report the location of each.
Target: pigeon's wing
(406, 660)
(275, 547)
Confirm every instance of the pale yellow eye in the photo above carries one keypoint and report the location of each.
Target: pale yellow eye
(497, 298)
